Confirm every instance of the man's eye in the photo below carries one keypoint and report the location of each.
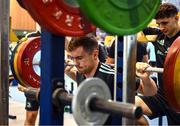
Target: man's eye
(79, 58)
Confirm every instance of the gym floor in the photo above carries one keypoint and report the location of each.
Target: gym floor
(17, 108)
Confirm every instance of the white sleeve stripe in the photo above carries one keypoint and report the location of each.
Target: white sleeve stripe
(103, 64)
(104, 71)
(106, 68)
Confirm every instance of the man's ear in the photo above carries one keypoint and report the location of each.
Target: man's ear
(177, 17)
(96, 53)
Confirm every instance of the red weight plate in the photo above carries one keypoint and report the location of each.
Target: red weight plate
(25, 59)
(59, 17)
(168, 75)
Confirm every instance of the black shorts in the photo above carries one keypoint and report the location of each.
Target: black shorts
(160, 107)
(31, 105)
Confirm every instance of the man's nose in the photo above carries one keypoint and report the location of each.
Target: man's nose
(161, 27)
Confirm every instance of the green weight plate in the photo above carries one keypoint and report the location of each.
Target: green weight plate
(120, 17)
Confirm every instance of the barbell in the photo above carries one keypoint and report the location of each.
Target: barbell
(154, 69)
(92, 104)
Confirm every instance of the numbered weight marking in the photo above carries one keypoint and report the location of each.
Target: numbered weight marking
(171, 75)
(61, 17)
(120, 17)
(22, 61)
(25, 62)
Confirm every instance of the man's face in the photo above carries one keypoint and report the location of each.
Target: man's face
(84, 61)
(168, 25)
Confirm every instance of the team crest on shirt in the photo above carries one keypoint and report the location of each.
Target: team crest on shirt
(160, 53)
(161, 42)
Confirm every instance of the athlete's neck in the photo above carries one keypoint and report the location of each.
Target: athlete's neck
(175, 32)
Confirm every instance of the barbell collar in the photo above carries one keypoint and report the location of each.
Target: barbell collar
(115, 108)
(154, 69)
(61, 97)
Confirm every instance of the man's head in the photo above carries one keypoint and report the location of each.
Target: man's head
(167, 19)
(84, 52)
(166, 10)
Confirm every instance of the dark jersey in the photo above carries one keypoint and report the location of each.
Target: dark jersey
(105, 73)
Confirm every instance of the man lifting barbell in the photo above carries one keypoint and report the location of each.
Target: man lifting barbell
(169, 30)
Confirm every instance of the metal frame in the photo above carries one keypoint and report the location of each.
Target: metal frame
(129, 61)
(4, 65)
(52, 67)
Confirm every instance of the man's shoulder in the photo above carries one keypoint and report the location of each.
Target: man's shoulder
(106, 69)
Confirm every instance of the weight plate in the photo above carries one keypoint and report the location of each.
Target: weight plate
(12, 54)
(120, 17)
(177, 78)
(61, 17)
(170, 75)
(25, 62)
(19, 79)
(88, 89)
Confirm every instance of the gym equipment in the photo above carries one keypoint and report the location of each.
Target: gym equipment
(171, 75)
(23, 57)
(13, 63)
(92, 105)
(61, 17)
(120, 17)
(154, 69)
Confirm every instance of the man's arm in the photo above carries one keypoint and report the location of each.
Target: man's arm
(147, 85)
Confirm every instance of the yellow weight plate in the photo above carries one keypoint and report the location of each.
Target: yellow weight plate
(22, 82)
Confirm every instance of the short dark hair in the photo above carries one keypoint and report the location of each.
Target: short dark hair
(166, 10)
(88, 43)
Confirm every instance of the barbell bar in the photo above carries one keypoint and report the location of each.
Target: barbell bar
(154, 69)
(92, 105)
(65, 64)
